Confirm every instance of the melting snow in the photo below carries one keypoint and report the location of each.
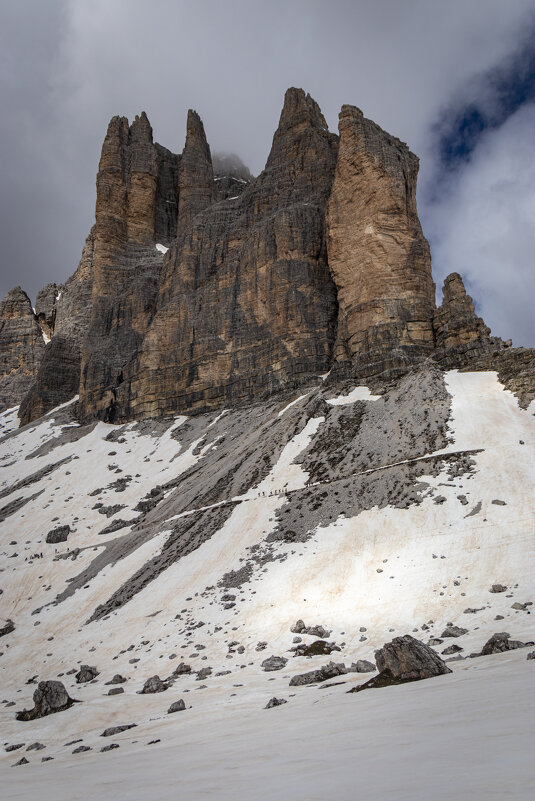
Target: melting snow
(359, 393)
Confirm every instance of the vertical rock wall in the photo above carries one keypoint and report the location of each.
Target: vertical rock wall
(64, 313)
(21, 347)
(246, 304)
(378, 255)
(137, 200)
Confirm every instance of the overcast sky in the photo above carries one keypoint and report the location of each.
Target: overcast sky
(455, 79)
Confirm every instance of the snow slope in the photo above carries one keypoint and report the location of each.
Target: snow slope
(392, 550)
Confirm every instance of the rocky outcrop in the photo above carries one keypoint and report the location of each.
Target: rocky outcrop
(64, 313)
(21, 347)
(136, 208)
(378, 255)
(246, 304)
(455, 322)
(463, 341)
(195, 174)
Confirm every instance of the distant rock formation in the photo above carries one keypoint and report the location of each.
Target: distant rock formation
(21, 347)
(455, 321)
(64, 313)
(201, 286)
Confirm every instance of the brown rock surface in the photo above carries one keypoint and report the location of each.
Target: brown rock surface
(246, 304)
(378, 256)
(21, 347)
(195, 174)
(137, 200)
(320, 261)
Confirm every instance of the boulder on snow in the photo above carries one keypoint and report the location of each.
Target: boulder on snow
(317, 648)
(498, 588)
(275, 702)
(49, 697)
(117, 679)
(7, 628)
(499, 643)
(452, 649)
(203, 673)
(86, 673)
(176, 706)
(58, 534)
(531, 655)
(402, 660)
(111, 730)
(315, 631)
(322, 674)
(116, 691)
(153, 685)
(181, 669)
(274, 663)
(454, 631)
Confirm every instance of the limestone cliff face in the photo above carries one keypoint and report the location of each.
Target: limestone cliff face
(246, 304)
(378, 256)
(195, 174)
(64, 313)
(319, 262)
(21, 347)
(137, 203)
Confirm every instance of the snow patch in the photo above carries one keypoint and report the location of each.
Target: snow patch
(357, 394)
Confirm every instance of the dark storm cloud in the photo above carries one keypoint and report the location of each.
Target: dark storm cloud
(67, 67)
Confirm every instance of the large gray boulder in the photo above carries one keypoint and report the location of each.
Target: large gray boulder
(402, 660)
(274, 663)
(49, 697)
(153, 685)
(176, 706)
(58, 534)
(86, 673)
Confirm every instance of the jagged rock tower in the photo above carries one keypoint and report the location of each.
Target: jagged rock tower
(317, 264)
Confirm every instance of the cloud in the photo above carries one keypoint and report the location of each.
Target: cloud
(69, 65)
(482, 226)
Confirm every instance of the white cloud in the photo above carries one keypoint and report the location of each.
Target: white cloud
(483, 227)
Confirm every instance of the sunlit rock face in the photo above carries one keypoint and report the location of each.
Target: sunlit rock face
(378, 255)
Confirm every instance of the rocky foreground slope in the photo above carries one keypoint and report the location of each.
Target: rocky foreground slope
(202, 288)
(235, 557)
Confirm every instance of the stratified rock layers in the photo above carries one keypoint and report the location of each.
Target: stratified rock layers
(21, 347)
(137, 202)
(246, 304)
(378, 255)
(319, 262)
